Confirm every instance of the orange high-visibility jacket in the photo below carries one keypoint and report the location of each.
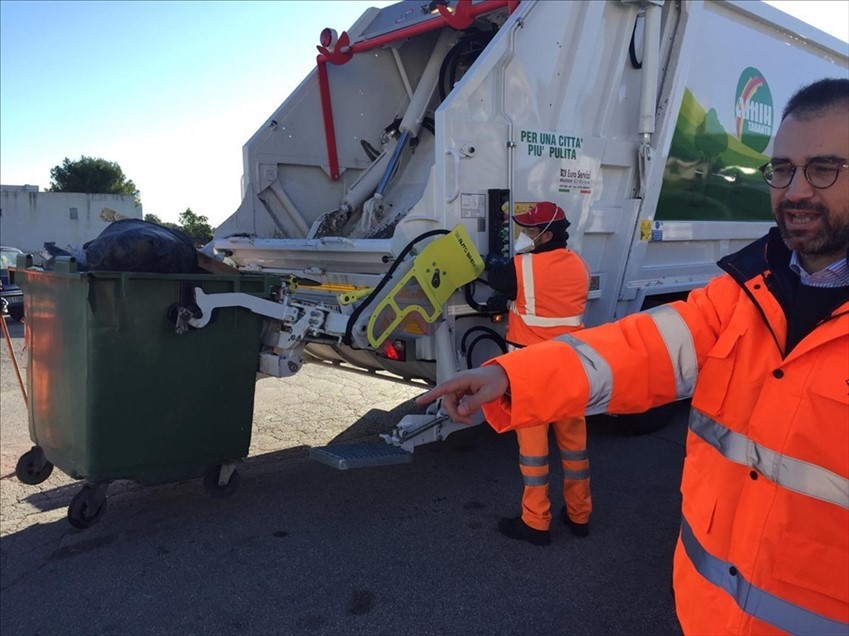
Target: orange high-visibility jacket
(551, 295)
(764, 542)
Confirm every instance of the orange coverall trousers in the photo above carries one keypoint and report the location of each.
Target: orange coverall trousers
(571, 435)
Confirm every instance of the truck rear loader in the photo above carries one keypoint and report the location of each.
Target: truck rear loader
(375, 187)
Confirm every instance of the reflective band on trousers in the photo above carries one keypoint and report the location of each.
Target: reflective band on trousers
(792, 474)
(533, 460)
(535, 480)
(679, 345)
(576, 475)
(753, 600)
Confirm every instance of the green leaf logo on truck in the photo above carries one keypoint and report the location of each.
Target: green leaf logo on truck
(753, 110)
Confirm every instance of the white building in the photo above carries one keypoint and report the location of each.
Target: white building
(29, 218)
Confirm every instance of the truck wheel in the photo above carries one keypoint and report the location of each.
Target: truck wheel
(33, 468)
(16, 314)
(216, 490)
(87, 507)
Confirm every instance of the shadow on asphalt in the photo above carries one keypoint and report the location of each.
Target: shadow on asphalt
(365, 429)
(302, 548)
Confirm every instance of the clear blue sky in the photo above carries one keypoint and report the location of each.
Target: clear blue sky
(169, 90)
(172, 90)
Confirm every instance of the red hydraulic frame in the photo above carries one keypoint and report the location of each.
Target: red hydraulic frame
(460, 18)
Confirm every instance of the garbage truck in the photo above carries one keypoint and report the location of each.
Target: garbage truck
(378, 185)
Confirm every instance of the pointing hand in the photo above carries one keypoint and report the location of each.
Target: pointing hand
(463, 394)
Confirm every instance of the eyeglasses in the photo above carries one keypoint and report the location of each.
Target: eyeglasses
(820, 173)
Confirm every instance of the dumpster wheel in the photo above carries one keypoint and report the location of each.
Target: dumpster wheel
(87, 506)
(212, 482)
(33, 468)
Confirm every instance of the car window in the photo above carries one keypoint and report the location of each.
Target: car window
(8, 258)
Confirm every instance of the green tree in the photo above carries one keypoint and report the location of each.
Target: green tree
(91, 175)
(153, 218)
(196, 226)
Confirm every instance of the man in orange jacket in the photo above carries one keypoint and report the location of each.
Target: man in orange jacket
(547, 285)
(764, 352)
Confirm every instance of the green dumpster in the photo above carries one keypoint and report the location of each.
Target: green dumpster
(115, 392)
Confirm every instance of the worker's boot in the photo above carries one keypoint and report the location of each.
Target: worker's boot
(578, 529)
(515, 528)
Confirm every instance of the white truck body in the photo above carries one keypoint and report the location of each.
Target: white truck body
(645, 120)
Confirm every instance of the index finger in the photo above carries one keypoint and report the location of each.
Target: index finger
(438, 391)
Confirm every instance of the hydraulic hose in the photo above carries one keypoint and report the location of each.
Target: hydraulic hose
(632, 47)
(496, 339)
(468, 292)
(466, 46)
(492, 332)
(488, 334)
(393, 163)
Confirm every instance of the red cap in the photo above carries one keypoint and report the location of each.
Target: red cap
(542, 213)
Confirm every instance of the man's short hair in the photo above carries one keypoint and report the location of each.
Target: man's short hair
(820, 95)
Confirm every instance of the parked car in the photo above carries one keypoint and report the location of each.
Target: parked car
(12, 296)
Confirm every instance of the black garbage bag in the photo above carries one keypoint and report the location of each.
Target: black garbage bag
(133, 245)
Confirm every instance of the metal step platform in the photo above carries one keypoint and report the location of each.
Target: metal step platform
(360, 455)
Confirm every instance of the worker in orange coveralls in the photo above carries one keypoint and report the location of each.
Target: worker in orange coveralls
(547, 285)
(763, 350)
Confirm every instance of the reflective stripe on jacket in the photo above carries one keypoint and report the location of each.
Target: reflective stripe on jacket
(764, 544)
(551, 295)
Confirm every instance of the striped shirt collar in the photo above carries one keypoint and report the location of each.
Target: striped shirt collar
(835, 275)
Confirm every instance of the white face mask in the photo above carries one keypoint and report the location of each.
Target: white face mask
(523, 244)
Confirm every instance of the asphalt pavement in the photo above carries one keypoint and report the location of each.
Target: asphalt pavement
(303, 548)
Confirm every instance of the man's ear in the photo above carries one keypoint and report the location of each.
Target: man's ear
(545, 237)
